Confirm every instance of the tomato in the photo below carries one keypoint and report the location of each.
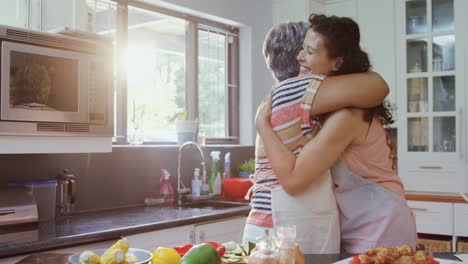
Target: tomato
(431, 260)
(355, 260)
(183, 249)
(218, 246)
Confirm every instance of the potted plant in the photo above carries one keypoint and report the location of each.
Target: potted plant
(186, 129)
(246, 168)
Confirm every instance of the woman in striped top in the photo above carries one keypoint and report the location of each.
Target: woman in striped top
(291, 107)
(352, 142)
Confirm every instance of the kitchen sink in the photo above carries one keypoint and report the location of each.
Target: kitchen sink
(213, 205)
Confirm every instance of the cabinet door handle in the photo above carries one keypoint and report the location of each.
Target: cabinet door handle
(419, 209)
(461, 142)
(202, 236)
(431, 167)
(192, 237)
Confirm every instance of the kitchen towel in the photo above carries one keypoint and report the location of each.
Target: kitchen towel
(462, 257)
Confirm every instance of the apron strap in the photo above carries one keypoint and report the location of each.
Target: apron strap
(253, 179)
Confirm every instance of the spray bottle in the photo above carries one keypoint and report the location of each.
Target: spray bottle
(214, 168)
(166, 190)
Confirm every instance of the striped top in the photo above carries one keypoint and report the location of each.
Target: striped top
(290, 119)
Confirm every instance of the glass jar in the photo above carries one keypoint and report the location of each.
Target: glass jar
(286, 243)
(267, 252)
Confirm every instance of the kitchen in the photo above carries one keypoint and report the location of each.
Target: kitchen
(111, 174)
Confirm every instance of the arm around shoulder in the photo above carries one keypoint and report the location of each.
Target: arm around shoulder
(318, 155)
(361, 90)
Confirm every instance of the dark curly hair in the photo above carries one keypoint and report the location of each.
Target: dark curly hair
(342, 37)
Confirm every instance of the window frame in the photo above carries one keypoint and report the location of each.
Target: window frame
(194, 24)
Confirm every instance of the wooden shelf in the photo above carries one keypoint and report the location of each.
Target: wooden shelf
(435, 197)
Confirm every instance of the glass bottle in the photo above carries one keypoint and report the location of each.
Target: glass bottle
(267, 252)
(286, 242)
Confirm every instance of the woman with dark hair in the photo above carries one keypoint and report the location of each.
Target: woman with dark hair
(314, 212)
(352, 142)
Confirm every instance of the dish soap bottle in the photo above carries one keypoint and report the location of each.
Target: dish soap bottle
(227, 166)
(166, 190)
(196, 184)
(214, 168)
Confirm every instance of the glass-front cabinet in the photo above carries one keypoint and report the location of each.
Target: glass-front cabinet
(431, 94)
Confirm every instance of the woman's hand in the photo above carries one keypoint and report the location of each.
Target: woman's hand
(262, 118)
(299, 258)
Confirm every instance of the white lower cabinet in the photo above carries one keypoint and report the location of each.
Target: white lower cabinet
(448, 219)
(228, 230)
(219, 231)
(162, 238)
(460, 220)
(432, 217)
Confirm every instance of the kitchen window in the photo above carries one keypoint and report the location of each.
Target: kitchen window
(169, 63)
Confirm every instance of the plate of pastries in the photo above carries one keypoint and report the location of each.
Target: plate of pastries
(394, 255)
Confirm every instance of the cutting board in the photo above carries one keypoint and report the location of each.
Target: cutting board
(244, 261)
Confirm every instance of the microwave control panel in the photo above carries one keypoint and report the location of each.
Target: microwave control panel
(98, 87)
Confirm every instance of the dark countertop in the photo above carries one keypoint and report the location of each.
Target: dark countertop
(104, 225)
(310, 259)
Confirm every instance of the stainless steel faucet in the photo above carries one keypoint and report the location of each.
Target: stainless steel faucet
(184, 191)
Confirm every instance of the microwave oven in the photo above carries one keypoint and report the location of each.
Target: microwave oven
(52, 84)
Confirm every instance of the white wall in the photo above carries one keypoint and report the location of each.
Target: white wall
(377, 34)
(254, 19)
(297, 10)
(346, 8)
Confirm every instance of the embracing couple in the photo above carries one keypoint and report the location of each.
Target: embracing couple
(324, 162)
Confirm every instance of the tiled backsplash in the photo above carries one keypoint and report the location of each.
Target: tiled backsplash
(121, 178)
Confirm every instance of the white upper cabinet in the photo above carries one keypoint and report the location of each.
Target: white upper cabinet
(376, 19)
(58, 13)
(44, 15)
(14, 13)
(431, 83)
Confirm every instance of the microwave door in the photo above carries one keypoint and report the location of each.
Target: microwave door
(43, 84)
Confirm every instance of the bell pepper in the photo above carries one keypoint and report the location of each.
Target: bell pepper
(183, 249)
(201, 254)
(218, 246)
